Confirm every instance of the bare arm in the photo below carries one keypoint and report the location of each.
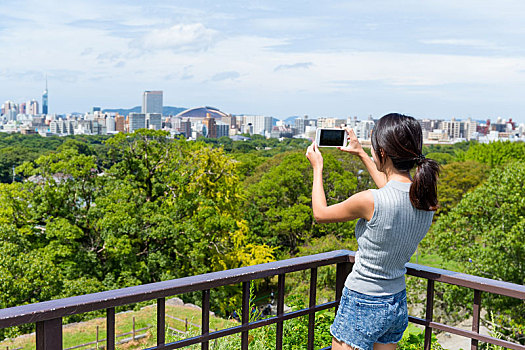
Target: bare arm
(355, 148)
(360, 205)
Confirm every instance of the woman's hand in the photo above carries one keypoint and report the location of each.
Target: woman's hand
(314, 156)
(353, 146)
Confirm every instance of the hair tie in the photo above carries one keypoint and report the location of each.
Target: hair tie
(420, 159)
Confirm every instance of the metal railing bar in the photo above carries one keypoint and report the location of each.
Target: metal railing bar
(110, 325)
(342, 271)
(246, 327)
(161, 321)
(476, 309)
(33, 313)
(312, 303)
(469, 281)
(429, 314)
(280, 311)
(477, 336)
(205, 322)
(45, 313)
(245, 313)
(465, 333)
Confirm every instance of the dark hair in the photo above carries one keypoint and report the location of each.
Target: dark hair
(400, 138)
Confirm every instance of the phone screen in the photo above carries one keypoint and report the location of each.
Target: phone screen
(331, 137)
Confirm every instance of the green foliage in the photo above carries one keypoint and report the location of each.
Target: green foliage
(457, 179)
(494, 153)
(486, 233)
(416, 341)
(279, 204)
(441, 158)
(164, 209)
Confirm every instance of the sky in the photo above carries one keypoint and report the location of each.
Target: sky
(429, 59)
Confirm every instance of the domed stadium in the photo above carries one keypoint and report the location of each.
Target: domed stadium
(200, 112)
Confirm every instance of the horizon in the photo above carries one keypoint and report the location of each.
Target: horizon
(338, 59)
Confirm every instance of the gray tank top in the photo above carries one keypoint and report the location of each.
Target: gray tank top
(388, 241)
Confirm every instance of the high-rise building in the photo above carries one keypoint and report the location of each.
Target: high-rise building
(152, 102)
(9, 106)
(257, 124)
(45, 100)
(185, 128)
(154, 121)
(452, 128)
(211, 126)
(222, 129)
(137, 121)
(120, 123)
(110, 124)
(469, 128)
(22, 108)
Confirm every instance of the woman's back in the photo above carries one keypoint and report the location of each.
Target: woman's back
(387, 241)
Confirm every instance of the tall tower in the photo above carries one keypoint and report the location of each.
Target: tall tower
(152, 102)
(44, 100)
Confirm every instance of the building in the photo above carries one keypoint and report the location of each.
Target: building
(281, 131)
(300, 124)
(210, 126)
(363, 129)
(330, 122)
(45, 109)
(257, 124)
(201, 113)
(452, 128)
(222, 129)
(120, 123)
(152, 102)
(185, 128)
(469, 128)
(154, 121)
(137, 121)
(110, 125)
(9, 106)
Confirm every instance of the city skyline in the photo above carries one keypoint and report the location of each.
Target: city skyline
(436, 60)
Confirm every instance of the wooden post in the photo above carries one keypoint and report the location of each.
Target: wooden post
(133, 336)
(97, 340)
(186, 325)
(49, 334)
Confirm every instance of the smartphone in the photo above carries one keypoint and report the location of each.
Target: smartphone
(325, 137)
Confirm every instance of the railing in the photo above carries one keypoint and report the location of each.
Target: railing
(48, 315)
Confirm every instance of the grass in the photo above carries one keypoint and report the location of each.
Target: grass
(434, 260)
(85, 332)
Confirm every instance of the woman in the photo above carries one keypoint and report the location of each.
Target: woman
(393, 220)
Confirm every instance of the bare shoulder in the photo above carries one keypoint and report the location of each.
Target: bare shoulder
(366, 203)
(365, 196)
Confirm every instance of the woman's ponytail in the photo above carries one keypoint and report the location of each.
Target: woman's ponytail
(423, 191)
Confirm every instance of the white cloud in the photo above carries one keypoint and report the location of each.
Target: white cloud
(179, 37)
(304, 65)
(230, 75)
(473, 43)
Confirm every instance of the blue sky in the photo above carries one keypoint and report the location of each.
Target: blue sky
(437, 59)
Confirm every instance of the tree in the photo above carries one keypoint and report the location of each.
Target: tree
(494, 153)
(279, 204)
(456, 179)
(165, 209)
(485, 232)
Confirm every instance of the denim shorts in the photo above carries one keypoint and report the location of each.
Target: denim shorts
(363, 320)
